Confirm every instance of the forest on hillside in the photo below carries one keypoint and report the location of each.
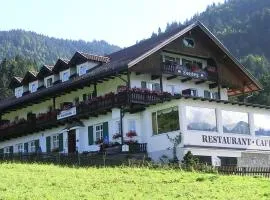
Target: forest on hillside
(242, 25)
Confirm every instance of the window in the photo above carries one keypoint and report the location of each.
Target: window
(55, 141)
(151, 86)
(65, 75)
(18, 91)
(7, 150)
(49, 82)
(214, 95)
(201, 119)
(165, 120)
(33, 86)
(235, 122)
(82, 70)
(99, 132)
(211, 95)
(19, 148)
(32, 146)
(207, 94)
(132, 125)
(189, 42)
(193, 92)
(262, 125)
(171, 89)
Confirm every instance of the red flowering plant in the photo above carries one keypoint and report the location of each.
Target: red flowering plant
(131, 134)
(116, 136)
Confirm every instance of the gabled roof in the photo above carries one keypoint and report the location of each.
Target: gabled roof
(80, 57)
(15, 82)
(45, 70)
(60, 65)
(29, 77)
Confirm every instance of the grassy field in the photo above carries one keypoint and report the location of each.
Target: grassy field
(33, 181)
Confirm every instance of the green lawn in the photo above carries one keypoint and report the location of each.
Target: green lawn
(33, 181)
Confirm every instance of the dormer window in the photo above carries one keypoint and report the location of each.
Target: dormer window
(33, 86)
(19, 91)
(64, 75)
(48, 81)
(82, 70)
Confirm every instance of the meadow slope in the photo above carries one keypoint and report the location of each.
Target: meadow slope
(33, 181)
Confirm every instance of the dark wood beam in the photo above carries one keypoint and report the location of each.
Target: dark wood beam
(138, 73)
(171, 77)
(213, 85)
(185, 80)
(154, 77)
(200, 82)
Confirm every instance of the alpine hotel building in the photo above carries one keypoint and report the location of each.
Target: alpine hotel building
(177, 82)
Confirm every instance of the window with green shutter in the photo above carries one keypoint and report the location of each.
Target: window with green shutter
(90, 135)
(106, 132)
(61, 145)
(25, 147)
(1, 151)
(48, 144)
(11, 149)
(37, 145)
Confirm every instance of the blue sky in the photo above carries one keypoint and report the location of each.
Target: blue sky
(119, 22)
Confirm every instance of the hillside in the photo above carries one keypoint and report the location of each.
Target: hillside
(33, 181)
(46, 50)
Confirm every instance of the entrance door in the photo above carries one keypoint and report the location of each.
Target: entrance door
(72, 141)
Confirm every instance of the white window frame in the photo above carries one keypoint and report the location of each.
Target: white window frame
(34, 83)
(63, 79)
(82, 69)
(19, 148)
(32, 146)
(46, 80)
(19, 91)
(6, 150)
(171, 88)
(55, 141)
(196, 91)
(98, 131)
(132, 125)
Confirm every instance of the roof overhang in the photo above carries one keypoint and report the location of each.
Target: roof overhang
(30, 76)
(60, 65)
(15, 82)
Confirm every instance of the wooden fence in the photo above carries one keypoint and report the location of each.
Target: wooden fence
(89, 159)
(245, 171)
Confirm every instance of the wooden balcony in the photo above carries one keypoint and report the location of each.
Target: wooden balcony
(194, 72)
(92, 107)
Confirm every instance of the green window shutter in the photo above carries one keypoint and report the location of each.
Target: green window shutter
(25, 147)
(48, 144)
(61, 147)
(11, 149)
(106, 131)
(1, 151)
(37, 145)
(90, 135)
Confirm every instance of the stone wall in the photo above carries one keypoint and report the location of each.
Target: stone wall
(254, 159)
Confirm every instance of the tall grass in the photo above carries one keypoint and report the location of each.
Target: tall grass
(40, 181)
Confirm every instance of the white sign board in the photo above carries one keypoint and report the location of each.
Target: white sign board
(67, 113)
(236, 141)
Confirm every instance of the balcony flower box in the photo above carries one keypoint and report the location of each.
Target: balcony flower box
(131, 134)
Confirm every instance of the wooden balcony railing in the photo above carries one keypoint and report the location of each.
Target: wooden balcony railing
(209, 73)
(90, 107)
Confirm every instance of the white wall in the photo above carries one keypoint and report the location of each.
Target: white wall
(136, 80)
